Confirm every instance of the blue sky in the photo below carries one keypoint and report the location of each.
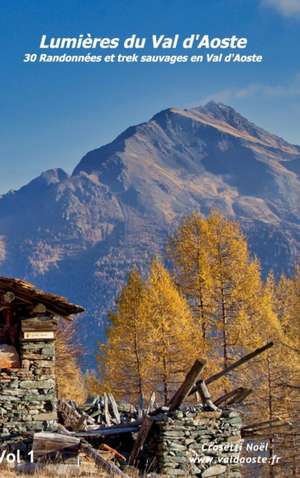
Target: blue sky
(52, 114)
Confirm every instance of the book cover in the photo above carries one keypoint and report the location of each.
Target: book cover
(150, 238)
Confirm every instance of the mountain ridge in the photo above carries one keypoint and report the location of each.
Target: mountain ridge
(79, 234)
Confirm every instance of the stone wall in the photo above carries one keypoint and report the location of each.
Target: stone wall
(196, 443)
(28, 394)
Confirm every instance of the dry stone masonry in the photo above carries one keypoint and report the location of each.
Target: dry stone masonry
(28, 322)
(196, 443)
(28, 394)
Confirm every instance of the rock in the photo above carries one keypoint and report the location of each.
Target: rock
(182, 443)
(46, 416)
(214, 470)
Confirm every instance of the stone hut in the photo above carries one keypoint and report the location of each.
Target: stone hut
(28, 321)
(194, 442)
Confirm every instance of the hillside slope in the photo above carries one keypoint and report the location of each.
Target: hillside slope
(78, 235)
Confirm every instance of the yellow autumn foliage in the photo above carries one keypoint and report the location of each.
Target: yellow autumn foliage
(152, 339)
(70, 384)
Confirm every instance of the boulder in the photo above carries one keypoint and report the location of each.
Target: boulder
(213, 471)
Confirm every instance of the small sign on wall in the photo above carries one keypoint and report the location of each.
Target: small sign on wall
(38, 335)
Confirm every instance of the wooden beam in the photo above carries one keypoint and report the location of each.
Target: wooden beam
(140, 441)
(47, 446)
(236, 395)
(185, 388)
(38, 323)
(108, 431)
(233, 366)
(114, 408)
(226, 396)
(240, 397)
(106, 411)
(69, 415)
(206, 397)
(150, 407)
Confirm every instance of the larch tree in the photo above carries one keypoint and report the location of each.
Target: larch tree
(176, 339)
(269, 376)
(188, 251)
(213, 268)
(287, 392)
(243, 309)
(125, 358)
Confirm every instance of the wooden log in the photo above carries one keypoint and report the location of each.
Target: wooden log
(140, 408)
(206, 397)
(151, 403)
(235, 396)
(185, 388)
(239, 398)
(47, 446)
(39, 324)
(70, 417)
(114, 408)
(107, 431)
(106, 411)
(140, 441)
(233, 366)
(112, 469)
(226, 396)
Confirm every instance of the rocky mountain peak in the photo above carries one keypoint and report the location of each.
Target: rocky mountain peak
(79, 235)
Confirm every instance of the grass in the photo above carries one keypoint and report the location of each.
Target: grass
(53, 472)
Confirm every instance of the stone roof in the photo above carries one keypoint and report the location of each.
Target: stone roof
(28, 293)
